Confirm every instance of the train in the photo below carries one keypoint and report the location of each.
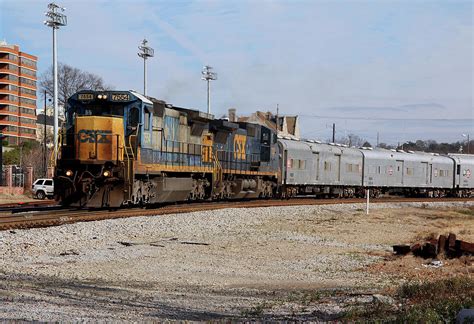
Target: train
(121, 148)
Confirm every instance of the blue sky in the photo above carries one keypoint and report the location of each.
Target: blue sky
(400, 68)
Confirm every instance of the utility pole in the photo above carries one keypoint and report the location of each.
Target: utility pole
(208, 75)
(277, 123)
(468, 142)
(334, 133)
(45, 148)
(378, 138)
(145, 53)
(56, 20)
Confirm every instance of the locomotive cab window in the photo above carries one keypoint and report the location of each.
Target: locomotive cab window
(133, 117)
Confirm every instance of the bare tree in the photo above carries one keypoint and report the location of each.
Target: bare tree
(70, 80)
(352, 140)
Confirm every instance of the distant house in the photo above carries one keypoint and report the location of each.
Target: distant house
(40, 119)
(286, 125)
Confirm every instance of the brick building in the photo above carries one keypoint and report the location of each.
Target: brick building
(17, 94)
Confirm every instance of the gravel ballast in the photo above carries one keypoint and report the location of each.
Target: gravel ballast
(205, 265)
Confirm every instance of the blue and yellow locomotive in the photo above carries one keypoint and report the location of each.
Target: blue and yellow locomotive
(121, 148)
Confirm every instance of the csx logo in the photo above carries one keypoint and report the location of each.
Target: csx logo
(91, 136)
(239, 146)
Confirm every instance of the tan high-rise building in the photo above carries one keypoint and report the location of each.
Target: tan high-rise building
(17, 94)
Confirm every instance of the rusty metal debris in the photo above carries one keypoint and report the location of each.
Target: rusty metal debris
(446, 245)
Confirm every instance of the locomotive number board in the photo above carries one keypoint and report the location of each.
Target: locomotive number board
(86, 96)
(120, 97)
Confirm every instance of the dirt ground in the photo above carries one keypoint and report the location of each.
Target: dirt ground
(304, 263)
(9, 199)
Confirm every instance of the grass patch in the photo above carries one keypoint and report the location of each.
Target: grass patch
(304, 298)
(428, 302)
(255, 311)
(468, 212)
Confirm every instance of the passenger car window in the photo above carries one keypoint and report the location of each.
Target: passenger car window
(48, 183)
(39, 182)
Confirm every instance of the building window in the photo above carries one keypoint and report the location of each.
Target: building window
(10, 67)
(28, 91)
(10, 57)
(26, 120)
(11, 118)
(28, 82)
(28, 72)
(27, 130)
(28, 101)
(9, 98)
(27, 111)
(9, 108)
(10, 78)
(25, 61)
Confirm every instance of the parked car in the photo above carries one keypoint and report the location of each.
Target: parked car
(43, 188)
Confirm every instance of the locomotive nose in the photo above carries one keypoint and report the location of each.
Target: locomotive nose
(99, 139)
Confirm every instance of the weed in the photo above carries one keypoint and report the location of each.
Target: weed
(310, 297)
(427, 302)
(456, 286)
(305, 298)
(255, 311)
(468, 212)
(373, 311)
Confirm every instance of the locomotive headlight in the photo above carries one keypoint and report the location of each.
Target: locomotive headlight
(69, 173)
(104, 96)
(99, 96)
(106, 173)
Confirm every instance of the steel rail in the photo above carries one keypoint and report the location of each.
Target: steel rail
(30, 219)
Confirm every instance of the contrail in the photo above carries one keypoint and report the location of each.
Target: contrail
(179, 38)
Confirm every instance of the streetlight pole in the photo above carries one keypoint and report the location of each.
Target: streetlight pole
(146, 52)
(56, 20)
(208, 75)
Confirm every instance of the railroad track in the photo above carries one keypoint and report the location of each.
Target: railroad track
(29, 217)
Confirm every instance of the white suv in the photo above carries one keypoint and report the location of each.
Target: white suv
(43, 188)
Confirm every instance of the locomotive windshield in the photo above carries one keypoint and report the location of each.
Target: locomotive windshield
(110, 109)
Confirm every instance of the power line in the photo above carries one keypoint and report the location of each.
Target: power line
(387, 119)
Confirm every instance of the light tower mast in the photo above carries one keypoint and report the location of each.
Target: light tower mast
(208, 75)
(145, 53)
(55, 20)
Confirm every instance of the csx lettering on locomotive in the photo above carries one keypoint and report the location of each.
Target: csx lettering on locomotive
(91, 136)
